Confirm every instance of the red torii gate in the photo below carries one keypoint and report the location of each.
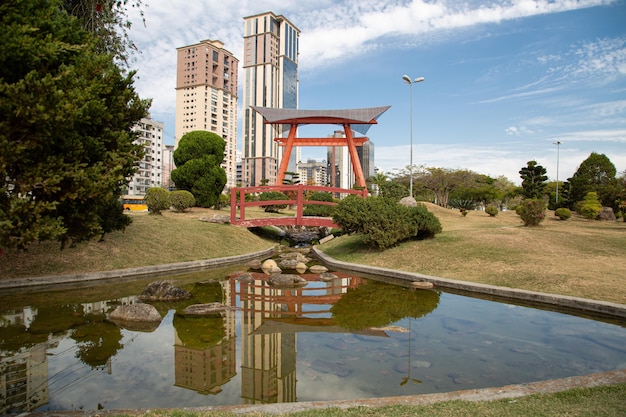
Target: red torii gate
(359, 120)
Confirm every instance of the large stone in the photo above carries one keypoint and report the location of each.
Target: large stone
(163, 291)
(422, 284)
(139, 312)
(607, 214)
(408, 202)
(288, 263)
(287, 280)
(301, 267)
(255, 264)
(327, 276)
(318, 269)
(208, 309)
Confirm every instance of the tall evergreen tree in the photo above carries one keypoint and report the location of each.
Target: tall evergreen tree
(198, 158)
(533, 180)
(595, 174)
(66, 113)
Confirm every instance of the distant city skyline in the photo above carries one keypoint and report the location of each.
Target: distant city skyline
(503, 82)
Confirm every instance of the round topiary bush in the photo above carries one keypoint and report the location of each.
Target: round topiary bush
(532, 211)
(157, 199)
(491, 210)
(563, 213)
(181, 200)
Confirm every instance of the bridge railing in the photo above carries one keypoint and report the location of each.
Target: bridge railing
(238, 202)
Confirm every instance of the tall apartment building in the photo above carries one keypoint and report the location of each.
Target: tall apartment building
(150, 168)
(313, 172)
(206, 96)
(270, 68)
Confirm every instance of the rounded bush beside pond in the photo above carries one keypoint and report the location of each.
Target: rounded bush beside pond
(181, 200)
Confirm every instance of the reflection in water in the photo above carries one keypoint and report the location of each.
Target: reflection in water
(347, 338)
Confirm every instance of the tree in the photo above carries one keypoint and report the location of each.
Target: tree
(198, 158)
(442, 182)
(590, 206)
(533, 180)
(596, 173)
(376, 182)
(66, 113)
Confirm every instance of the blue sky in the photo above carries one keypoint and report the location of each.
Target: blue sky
(504, 80)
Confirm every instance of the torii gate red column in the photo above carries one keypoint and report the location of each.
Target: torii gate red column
(354, 156)
(284, 163)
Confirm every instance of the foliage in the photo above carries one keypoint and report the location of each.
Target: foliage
(108, 21)
(563, 213)
(392, 190)
(157, 199)
(376, 182)
(273, 195)
(383, 221)
(222, 201)
(66, 113)
(319, 210)
(181, 200)
(532, 211)
(385, 304)
(443, 182)
(198, 158)
(596, 173)
(591, 206)
(492, 211)
(533, 180)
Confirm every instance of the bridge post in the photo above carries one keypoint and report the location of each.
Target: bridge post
(233, 206)
(300, 204)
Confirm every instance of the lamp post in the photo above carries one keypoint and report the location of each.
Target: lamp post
(410, 82)
(558, 146)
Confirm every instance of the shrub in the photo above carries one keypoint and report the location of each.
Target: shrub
(492, 211)
(383, 222)
(532, 211)
(319, 210)
(463, 205)
(157, 199)
(590, 206)
(222, 201)
(563, 213)
(181, 200)
(273, 195)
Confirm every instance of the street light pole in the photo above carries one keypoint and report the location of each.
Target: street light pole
(558, 146)
(410, 82)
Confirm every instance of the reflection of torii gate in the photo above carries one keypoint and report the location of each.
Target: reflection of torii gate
(359, 120)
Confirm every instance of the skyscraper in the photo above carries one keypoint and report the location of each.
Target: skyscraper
(206, 96)
(270, 68)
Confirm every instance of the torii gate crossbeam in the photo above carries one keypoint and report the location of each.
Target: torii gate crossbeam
(351, 119)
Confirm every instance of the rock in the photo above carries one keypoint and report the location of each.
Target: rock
(255, 264)
(327, 276)
(288, 263)
(217, 218)
(209, 309)
(245, 277)
(270, 266)
(326, 239)
(301, 267)
(163, 291)
(607, 214)
(139, 312)
(408, 202)
(318, 269)
(422, 284)
(287, 280)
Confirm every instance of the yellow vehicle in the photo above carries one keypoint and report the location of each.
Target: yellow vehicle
(134, 203)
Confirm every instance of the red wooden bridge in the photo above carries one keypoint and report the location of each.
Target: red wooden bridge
(239, 204)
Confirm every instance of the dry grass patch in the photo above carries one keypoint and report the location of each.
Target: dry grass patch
(575, 257)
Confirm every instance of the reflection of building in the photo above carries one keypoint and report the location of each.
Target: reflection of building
(206, 369)
(24, 380)
(270, 80)
(271, 317)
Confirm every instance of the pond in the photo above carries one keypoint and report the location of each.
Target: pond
(348, 338)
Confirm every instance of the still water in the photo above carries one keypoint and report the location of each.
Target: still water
(344, 339)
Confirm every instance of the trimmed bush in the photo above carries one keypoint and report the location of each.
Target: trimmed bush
(181, 200)
(383, 222)
(492, 211)
(590, 207)
(273, 195)
(157, 200)
(318, 210)
(563, 213)
(532, 211)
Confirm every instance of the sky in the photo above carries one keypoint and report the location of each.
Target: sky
(504, 80)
